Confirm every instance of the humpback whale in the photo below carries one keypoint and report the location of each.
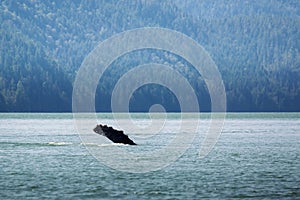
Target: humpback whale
(114, 135)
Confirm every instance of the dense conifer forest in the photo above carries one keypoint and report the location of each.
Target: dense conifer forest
(255, 44)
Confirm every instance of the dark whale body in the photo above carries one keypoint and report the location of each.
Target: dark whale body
(114, 135)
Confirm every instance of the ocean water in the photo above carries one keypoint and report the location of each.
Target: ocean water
(257, 156)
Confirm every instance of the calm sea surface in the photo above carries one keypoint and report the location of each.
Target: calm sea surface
(256, 156)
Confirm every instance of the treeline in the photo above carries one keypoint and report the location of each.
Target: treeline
(255, 45)
(29, 80)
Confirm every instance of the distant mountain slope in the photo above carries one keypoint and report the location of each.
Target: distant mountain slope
(30, 80)
(232, 8)
(255, 44)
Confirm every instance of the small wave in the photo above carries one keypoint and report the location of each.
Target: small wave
(103, 145)
(35, 144)
(59, 143)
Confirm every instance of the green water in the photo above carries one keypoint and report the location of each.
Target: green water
(257, 156)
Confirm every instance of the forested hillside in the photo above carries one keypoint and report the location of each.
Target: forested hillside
(255, 44)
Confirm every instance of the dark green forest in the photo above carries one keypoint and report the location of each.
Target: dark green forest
(255, 44)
